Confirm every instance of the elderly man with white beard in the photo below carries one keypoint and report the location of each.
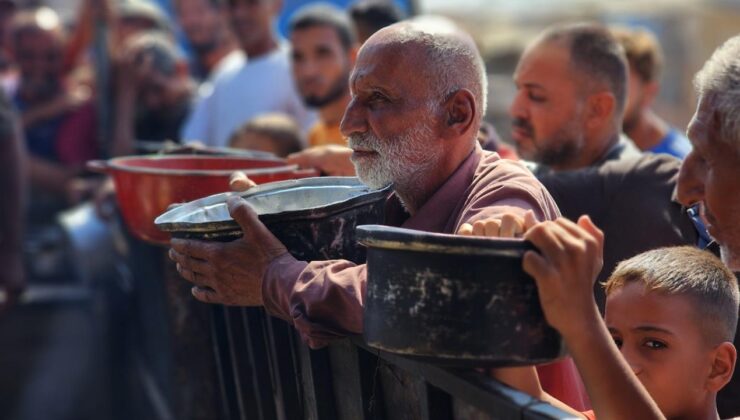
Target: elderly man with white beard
(417, 100)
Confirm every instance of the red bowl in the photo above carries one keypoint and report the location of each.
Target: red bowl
(147, 185)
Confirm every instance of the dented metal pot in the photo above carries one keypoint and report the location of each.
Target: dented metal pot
(315, 218)
(454, 300)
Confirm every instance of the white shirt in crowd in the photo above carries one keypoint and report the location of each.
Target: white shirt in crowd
(242, 90)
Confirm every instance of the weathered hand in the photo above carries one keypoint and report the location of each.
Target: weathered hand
(330, 159)
(569, 259)
(229, 273)
(507, 226)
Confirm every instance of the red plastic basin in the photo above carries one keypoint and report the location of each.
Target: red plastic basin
(147, 185)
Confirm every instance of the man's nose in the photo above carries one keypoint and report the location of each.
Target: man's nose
(691, 181)
(518, 109)
(354, 120)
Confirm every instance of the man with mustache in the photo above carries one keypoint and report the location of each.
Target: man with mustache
(571, 92)
(323, 53)
(412, 123)
(567, 117)
(56, 112)
(710, 172)
(213, 45)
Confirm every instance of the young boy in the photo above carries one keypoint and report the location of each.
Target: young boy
(275, 133)
(665, 345)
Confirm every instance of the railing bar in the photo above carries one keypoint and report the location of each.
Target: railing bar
(222, 362)
(256, 346)
(234, 364)
(485, 393)
(283, 364)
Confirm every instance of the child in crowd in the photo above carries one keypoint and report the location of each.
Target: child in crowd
(274, 133)
(664, 347)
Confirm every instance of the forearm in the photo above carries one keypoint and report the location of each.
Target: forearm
(322, 299)
(525, 379)
(49, 176)
(39, 114)
(615, 391)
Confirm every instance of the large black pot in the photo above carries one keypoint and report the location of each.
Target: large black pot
(315, 218)
(453, 300)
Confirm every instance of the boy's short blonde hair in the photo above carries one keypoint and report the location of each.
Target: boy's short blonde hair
(687, 271)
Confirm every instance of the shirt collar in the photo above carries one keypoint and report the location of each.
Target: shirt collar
(435, 214)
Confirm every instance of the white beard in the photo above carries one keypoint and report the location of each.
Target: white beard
(403, 161)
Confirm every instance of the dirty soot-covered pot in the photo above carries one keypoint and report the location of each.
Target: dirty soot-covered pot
(453, 300)
(315, 218)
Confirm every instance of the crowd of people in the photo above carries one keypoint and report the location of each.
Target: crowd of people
(626, 212)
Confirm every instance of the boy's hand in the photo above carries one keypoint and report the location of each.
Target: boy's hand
(569, 259)
(507, 226)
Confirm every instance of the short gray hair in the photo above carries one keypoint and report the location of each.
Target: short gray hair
(720, 77)
(452, 54)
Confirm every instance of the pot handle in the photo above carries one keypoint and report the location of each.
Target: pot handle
(99, 166)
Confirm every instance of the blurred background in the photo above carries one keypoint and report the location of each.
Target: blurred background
(105, 329)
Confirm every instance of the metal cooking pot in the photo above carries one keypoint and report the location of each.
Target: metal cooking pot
(315, 218)
(147, 185)
(454, 300)
(94, 244)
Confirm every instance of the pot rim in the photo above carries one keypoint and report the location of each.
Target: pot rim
(330, 209)
(117, 165)
(401, 239)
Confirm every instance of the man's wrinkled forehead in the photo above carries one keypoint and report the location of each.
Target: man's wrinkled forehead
(386, 62)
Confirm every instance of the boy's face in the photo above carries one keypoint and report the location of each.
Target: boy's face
(661, 340)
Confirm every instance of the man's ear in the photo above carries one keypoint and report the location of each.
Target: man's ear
(600, 109)
(460, 113)
(723, 365)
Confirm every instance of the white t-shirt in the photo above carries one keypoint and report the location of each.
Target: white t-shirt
(232, 62)
(240, 93)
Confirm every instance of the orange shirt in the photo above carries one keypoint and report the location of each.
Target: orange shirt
(322, 133)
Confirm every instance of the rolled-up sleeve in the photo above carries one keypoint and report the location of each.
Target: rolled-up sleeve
(322, 299)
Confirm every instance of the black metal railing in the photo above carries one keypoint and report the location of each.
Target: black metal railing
(266, 372)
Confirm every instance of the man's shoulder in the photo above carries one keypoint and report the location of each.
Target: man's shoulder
(649, 167)
(674, 143)
(492, 166)
(506, 178)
